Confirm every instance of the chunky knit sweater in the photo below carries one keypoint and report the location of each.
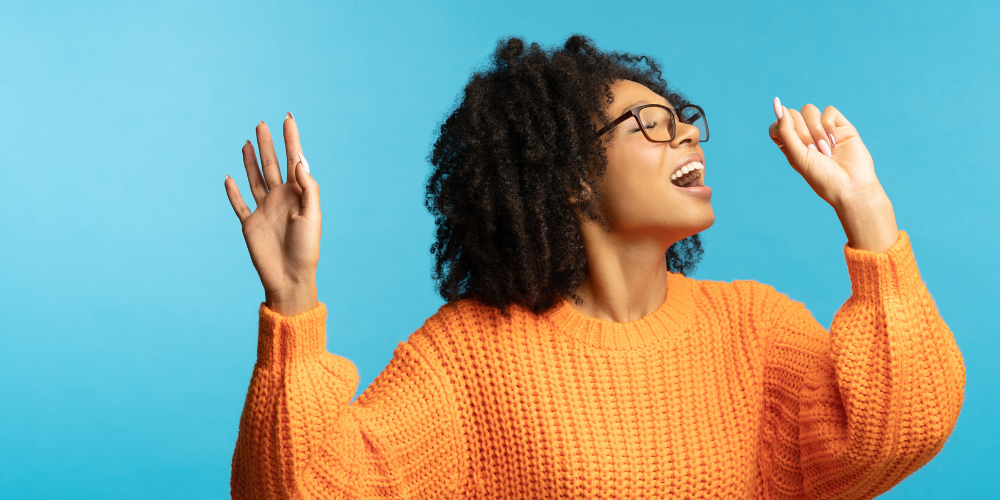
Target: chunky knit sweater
(727, 390)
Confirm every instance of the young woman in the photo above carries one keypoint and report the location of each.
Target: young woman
(574, 358)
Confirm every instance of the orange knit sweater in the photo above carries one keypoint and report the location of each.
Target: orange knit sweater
(727, 390)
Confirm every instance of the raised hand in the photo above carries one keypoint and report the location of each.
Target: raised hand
(827, 151)
(283, 232)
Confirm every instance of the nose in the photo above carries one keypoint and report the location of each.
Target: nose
(686, 135)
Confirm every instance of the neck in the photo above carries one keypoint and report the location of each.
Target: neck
(626, 277)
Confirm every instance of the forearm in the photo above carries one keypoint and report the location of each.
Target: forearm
(296, 391)
(888, 396)
(869, 220)
(301, 436)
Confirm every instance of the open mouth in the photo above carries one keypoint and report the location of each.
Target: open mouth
(689, 175)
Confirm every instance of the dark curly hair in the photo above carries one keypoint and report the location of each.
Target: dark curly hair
(516, 148)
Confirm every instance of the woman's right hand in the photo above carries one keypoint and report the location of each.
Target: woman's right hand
(283, 232)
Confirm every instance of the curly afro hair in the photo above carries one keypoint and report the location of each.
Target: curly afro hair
(519, 144)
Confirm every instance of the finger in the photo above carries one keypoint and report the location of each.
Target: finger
(839, 119)
(257, 186)
(292, 146)
(801, 128)
(305, 164)
(795, 150)
(272, 171)
(832, 120)
(772, 132)
(310, 192)
(236, 200)
(811, 117)
(772, 129)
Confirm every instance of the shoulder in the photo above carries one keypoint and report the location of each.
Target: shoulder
(742, 298)
(457, 324)
(749, 294)
(465, 314)
(780, 320)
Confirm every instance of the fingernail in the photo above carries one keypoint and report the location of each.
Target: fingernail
(305, 164)
(227, 177)
(825, 148)
(261, 122)
(833, 142)
(812, 146)
(289, 115)
(777, 108)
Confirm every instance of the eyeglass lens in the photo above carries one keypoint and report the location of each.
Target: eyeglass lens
(659, 124)
(692, 116)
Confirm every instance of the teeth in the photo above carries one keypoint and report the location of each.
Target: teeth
(690, 167)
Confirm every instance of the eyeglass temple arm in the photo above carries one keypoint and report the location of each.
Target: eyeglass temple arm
(632, 112)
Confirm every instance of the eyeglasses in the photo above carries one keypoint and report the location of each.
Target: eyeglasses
(658, 122)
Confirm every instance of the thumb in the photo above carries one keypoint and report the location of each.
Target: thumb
(790, 143)
(310, 190)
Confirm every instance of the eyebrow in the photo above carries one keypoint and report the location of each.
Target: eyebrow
(636, 104)
(644, 102)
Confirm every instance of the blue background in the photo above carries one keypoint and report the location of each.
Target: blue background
(128, 300)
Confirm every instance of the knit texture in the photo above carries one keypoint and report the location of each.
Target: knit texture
(727, 390)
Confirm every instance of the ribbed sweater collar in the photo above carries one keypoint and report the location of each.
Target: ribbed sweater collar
(672, 316)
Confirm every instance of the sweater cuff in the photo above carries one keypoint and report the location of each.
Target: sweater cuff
(285, 338)
(876, 274)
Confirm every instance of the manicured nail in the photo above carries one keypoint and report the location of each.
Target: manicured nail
(289, 115)
(825, 148)
(777, 108)
(833, 141)
(812, 146)
(305, 164)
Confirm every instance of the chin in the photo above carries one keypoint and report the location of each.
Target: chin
(709, 220)
(696, 226)
(703, 220)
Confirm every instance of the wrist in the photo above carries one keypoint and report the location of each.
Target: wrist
(869, 221)
(293, 299)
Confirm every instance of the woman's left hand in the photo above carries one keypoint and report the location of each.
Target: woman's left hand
(827, 151)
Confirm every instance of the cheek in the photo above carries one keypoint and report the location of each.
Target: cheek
(642, 161)
(635, 182)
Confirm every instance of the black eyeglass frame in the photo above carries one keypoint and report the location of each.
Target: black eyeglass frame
(634, 113)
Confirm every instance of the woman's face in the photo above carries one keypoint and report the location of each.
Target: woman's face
(638, 197)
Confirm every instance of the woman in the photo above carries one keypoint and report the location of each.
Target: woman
(572, 359)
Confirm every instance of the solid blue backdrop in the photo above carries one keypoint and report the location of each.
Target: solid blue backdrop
(128, 299)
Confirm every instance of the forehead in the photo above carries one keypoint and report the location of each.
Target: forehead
(628, 94)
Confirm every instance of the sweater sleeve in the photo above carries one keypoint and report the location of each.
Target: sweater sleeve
(301, 437)
(851, 412)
